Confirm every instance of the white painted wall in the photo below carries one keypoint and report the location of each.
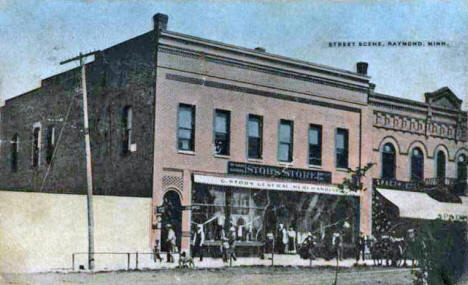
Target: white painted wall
(39, 232)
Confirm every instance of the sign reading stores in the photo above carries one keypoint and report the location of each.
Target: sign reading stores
(270, 185)
(279, 172)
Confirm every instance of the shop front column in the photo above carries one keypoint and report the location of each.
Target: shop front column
(186, 213)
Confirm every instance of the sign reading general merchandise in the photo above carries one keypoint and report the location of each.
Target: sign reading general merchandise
(241, 168)
(271, 185)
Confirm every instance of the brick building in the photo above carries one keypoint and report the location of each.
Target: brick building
(224, 136)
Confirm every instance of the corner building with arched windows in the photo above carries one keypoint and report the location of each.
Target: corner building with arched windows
(420, 153)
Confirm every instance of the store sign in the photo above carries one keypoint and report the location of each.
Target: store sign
(271, 185)
(241, 168)
(453, 217)
(397, 184)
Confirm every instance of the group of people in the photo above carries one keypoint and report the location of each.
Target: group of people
(228, 243)
(390, 248)
(385, 247)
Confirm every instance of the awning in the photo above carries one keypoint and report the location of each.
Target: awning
(418, 205)
(271, 185)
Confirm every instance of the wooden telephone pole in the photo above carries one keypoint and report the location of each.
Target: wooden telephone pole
(89, 173)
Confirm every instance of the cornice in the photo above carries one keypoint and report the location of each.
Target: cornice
(260, 68)
(252, 53)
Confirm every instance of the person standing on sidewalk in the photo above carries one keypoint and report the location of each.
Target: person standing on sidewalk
(360, 247)
(337, 242)
(171, 243)
(156, 254)
(283, 239)
(198, 240)
(232, 243)
(291, 240)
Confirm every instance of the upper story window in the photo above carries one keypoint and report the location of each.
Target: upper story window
(14, 150)
(222, 129)
(127, 124)
(285, 141)
(186, 127)
(417, 165)
(388, 161)
(461, 168)
(461, 174)
(254, 136)
(440, 164)
(315, 145)
(341, 148)
(36, 146)
(50, 140)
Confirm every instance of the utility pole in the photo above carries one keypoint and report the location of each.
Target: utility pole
(89, 175)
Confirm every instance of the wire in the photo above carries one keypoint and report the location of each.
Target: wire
(57, 144)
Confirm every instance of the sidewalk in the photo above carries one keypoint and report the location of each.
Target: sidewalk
(145, 262)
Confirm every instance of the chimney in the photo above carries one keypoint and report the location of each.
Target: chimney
(362, 67)
(260, 49)
(160, 21)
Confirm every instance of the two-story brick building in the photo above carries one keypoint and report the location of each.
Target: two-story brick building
(226, 136)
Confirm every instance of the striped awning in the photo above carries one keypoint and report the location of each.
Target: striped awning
(418, 205)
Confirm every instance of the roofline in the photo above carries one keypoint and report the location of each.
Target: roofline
(22, 94)
(409, 102)
(266, 55)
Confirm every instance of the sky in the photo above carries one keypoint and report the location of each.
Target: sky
(36, 35)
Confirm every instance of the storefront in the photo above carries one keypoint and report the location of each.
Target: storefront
(259, 201)
(398, 206)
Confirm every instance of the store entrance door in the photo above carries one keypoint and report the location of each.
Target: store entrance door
(172, 217)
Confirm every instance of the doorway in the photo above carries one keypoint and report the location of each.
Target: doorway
(172, 216)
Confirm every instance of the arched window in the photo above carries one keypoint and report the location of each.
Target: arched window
(127, 124)
(440, 164)
(388, 161)
(36, 146)
(14, 153)
(461, 174)
(417, 165)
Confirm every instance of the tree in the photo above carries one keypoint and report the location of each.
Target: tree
(441, 249)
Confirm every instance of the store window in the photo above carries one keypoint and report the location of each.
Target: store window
(285, 144)
(388, 161)
(222, 129)
(254, 139)
(341, 148)
(14, 150)
(315, 145)
(417, 165)
(218, 208)
(440, 164)
(186, 128)
(36, 146)
(127, 124)
(50, 140)
(257, 214)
